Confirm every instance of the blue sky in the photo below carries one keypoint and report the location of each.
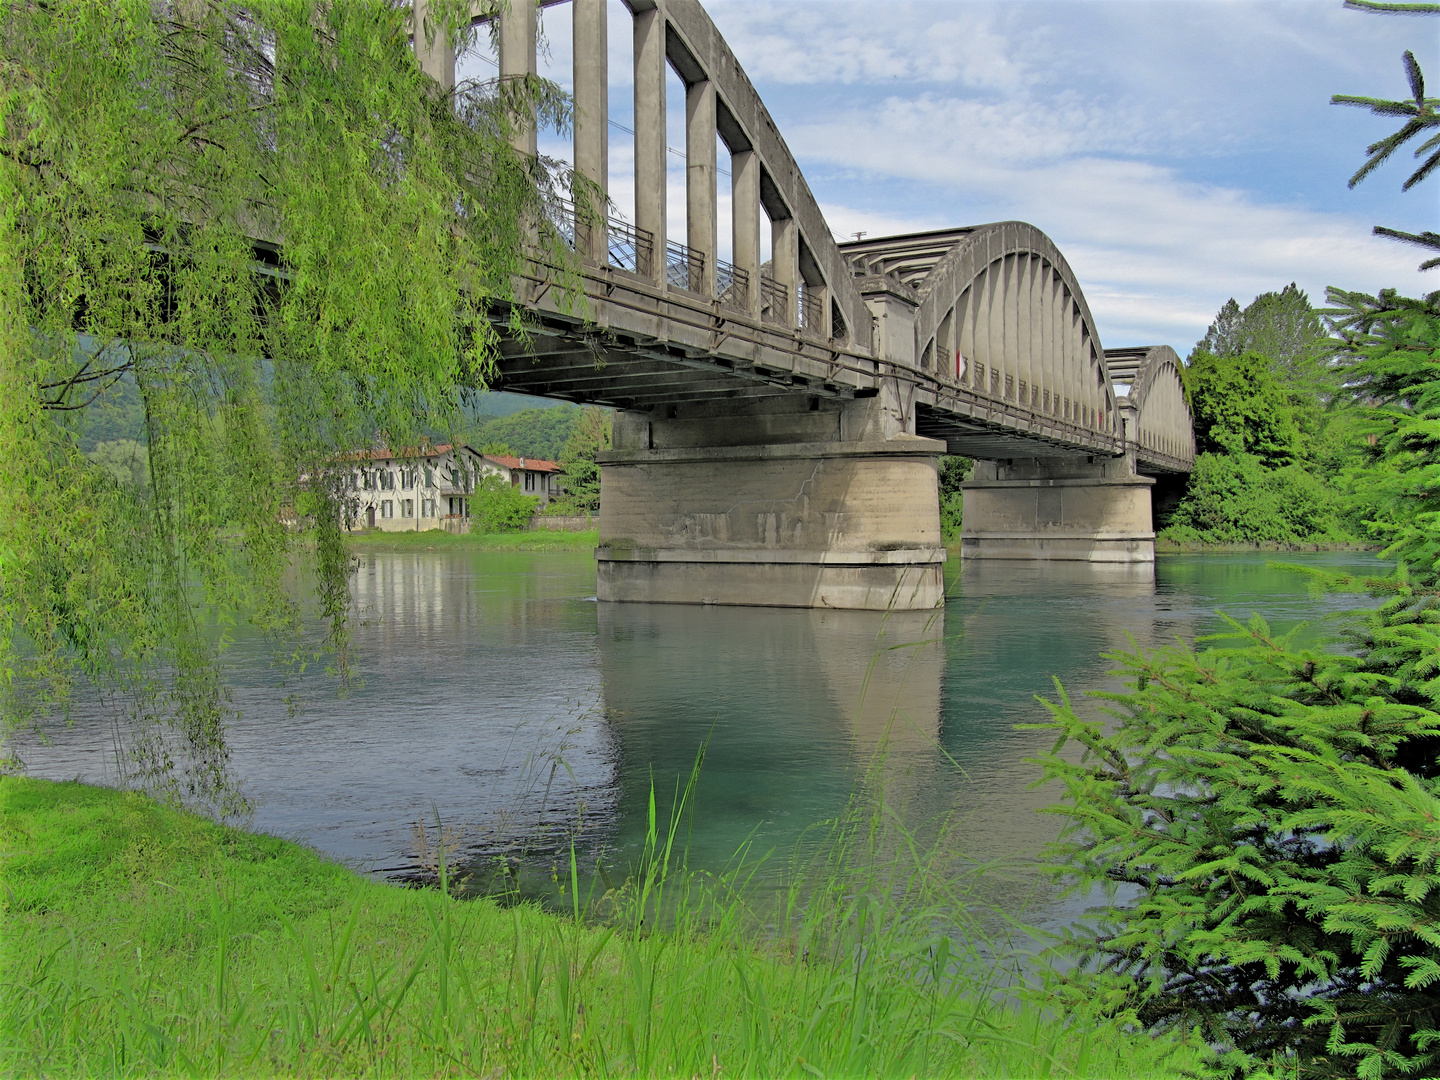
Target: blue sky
(1179, 152)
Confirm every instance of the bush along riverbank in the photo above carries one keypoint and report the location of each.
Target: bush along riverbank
(142, 940)
(1281, 460)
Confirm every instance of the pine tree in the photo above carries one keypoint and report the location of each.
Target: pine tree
(1267, 818)
(1421, 114)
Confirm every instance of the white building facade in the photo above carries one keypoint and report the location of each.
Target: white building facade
(400, 493)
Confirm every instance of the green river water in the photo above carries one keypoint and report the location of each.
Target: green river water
(499, 695)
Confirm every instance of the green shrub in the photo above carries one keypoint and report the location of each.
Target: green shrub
(953, 471)
(499, 506)
(1234, 498)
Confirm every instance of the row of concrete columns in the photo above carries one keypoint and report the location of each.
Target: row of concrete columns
(517, 38)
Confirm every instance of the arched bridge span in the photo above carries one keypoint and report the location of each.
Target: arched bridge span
(1161, 430)
(778, 421)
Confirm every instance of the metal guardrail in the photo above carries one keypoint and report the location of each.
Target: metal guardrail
(732, 285)
(631, 248)
(812, 309)
(684, 269)
(774, 301)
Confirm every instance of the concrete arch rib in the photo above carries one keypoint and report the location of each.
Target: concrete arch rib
(1159, 426)
(745, 124)
(1060, 373)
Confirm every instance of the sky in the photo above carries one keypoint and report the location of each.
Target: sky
(1179, 152)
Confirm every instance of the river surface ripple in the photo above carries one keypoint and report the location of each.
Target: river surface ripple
(498, 695)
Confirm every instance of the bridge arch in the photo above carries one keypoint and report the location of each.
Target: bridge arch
(1002, 313)
(1161, 430)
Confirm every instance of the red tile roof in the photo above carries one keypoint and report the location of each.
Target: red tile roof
(533, 464)
(384, 453)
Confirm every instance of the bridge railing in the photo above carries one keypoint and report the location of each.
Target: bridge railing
(684, 267)
(732, 285)
(630, 248)
(774, 300)
(812, 309)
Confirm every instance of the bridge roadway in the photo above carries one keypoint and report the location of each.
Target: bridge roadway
(778, 424)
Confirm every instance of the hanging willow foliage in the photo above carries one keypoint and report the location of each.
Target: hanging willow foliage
(296, 245)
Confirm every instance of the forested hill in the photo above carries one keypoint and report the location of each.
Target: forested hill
(539, 433)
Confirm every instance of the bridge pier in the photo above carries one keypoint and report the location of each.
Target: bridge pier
(1058, 509)
(784, 502)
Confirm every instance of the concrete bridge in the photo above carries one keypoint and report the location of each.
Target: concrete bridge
(777, 425)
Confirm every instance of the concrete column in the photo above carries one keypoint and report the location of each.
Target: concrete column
(701, 218)
(592, 119)
(517, 60)
(839, 525)
(745, 220)
(785, 257)
(650, 133)
(437, 58)
(1060, 510)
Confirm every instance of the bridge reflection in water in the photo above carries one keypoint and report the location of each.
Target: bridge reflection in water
(495, 690)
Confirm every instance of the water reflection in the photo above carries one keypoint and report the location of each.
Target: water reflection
(495, 691)
(788, 703)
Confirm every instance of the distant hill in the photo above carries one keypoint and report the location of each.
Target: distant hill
(117, 414)
(499, 403)
(539, 433)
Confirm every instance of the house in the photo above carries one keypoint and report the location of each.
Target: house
(533, 476)
(428, 488)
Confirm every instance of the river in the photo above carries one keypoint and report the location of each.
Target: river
(496, 694)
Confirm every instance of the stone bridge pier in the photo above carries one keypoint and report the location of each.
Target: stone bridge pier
(785, 502)
(1059, 508)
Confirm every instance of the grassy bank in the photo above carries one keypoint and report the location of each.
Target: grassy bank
(141, 940)
(439, 540)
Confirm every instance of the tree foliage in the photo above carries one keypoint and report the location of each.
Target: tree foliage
(1267, 818)
(295, 246)
(1240, 406)
(1421, 114)
(580, 474)
(1282, 327)
(953, 471)
(538, 433)
(499, 506)
(1271, 814)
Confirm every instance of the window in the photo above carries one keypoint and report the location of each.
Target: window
(387, 508)
(366, 480)
(529, 481)
(407, 508)
(387, 480)
(407, 479)
(429, 478)
(427, 508)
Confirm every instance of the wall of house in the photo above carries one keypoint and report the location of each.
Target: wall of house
(400, 482)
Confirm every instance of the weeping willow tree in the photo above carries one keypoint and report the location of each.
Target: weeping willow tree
(296, 246)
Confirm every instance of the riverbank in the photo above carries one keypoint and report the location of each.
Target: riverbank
(1163, 545)
(141, 939)
(440, 540)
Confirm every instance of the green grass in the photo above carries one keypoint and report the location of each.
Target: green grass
(440, 540)
(142, 940)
